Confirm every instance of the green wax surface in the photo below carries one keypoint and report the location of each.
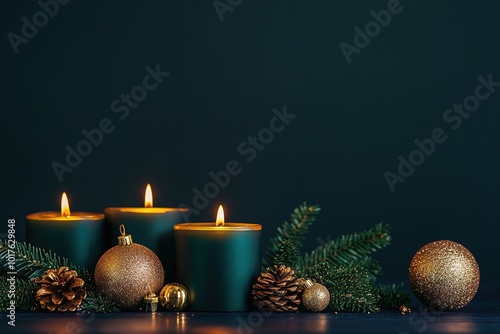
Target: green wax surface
(218, 267)
(154, 230)
(81, 241)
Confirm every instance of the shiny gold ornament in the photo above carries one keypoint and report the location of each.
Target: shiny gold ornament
(315, 297)
(174, 297)
(127, 272)
(444, 275)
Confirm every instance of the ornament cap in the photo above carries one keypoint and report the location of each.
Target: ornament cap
(307, 283)
(151, 301)
(124, 239)
(151, 298)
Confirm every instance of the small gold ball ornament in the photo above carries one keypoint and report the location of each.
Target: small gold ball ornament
(128, 272)
(315, 297)
(174, 297)
(444, 275)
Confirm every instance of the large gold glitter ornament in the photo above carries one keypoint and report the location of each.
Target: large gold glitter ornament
(444, 275)
(315, 297)
(174, 297)
(128, 272)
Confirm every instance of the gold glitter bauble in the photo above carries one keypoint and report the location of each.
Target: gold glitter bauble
(128, 272)
(174, 297)
(315, 297)
(444, 275)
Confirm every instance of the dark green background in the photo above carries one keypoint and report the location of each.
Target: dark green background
(225, 78)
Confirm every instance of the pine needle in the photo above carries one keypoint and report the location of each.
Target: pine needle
(96, 302)
(285, 247)
(344, 265)
(349, 248)
(350, 287)
(32, 262)
(393, 296)
(24, 294)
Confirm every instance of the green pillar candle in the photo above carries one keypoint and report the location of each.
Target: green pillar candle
(218, 264)
(151, 227)
(77, 236)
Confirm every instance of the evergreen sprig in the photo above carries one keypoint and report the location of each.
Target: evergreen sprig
(32, 262)
(349, 248)
(285, 248)
(95, 302)
(25, 291)
(368, 263)
(350, 287)
(393, 296)
(344, 265)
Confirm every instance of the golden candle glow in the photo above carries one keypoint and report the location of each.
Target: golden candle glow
(148, 197)
(220, 217)
(65, 212)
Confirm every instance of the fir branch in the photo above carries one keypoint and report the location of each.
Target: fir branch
(25, 291)
(25, 297)
(285, 247)
(285, 253)
(369, 264)
(32, 262)
(349, 248)
(95, 302)
(350, 287)
(88, 278)
(393, 296)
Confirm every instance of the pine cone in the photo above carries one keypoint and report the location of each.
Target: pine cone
(61, 290)
(277, 290)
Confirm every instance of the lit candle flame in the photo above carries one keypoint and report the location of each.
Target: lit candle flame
(148, 197)
(220, 217)
(65, 212)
